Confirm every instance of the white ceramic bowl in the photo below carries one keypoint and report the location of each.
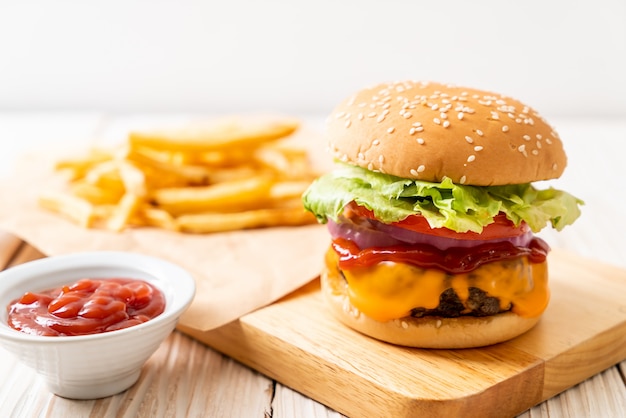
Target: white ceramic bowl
(98, 365)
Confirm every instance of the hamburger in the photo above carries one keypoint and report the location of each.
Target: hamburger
(432, 214)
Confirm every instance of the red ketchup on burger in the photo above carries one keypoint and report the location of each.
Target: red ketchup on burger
(433, 216)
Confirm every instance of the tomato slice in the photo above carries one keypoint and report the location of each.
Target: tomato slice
(500, 228)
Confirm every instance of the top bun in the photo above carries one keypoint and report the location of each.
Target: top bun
(429, 131)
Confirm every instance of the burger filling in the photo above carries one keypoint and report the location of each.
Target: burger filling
(389, 290)
(407, 247)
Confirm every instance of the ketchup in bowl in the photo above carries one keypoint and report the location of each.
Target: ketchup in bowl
(87, 306)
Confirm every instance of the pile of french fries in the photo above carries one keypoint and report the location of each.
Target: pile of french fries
(231, 174)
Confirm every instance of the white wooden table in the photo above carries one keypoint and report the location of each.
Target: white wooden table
(186, 378)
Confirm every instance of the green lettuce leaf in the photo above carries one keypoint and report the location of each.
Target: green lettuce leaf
(457, 207)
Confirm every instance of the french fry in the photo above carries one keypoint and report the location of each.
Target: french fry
(94, 194)
(288, 189)
(227, 196)
(156, 217)
(78, 210)
(133, 178)
(78, 167)
(124, 212)
(232, 174)
(224, 134)
(105, 175)
(242, 172)
(203, 223)
(181, 174)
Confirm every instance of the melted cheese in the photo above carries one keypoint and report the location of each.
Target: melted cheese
(390, 290)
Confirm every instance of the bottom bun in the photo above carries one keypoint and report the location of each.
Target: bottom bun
(424, 332)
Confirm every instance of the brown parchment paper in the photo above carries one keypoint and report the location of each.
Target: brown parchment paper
(235, 272)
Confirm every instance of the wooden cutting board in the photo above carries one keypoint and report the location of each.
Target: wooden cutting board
(298, 343)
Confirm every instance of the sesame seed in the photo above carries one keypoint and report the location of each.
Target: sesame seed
(417, 124)
(414, 172)
(548, 141)
(471, 158)
(460, 115)
(526, 137)
(419, 129)
(390, 130)
(443, 115)
(538, 136)
(348, 123)
(360, 116)
(371, 114)
(535, 152)
(462, 180)
(339, 115)
(505, 128)
(446, 123)
(361, 156)
(478, 148)
(435, 107)
(469, 139)
(479, 132)
(370, 167)
(421, 168)
(381, 158)
(522, 149)
(376, 142)
(554, 166)
(420, 141)
(437, 121)
(405, 325)
(407, 115)
(538, 144)
(380, 118)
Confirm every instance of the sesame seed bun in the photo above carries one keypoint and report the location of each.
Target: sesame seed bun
(425, 332)
(429, 131)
